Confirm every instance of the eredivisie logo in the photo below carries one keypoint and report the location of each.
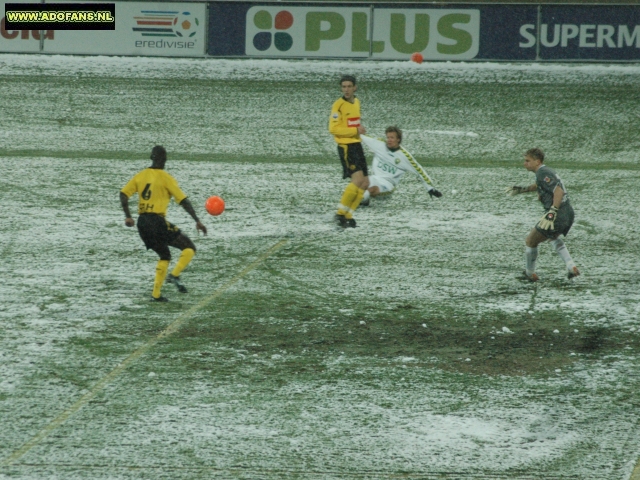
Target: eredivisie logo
(165, 23)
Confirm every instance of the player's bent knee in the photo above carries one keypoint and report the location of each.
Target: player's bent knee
(531, 240)
(535, 238)
(183, 242)
(557, 243)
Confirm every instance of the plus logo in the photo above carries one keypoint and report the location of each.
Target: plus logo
(273, 30)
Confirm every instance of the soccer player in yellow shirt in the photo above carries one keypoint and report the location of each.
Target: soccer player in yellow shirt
(155, 187)
(346, 128)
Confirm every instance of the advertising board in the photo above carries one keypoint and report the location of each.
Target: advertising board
(141, 28)
(307, 31)
(153, 29)
(436, 33)
(456, 32)
(20, 41)
(586, 33)
(385, 32)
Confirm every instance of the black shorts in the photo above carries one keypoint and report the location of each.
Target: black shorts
(352, 159)
(562, 224)
(156, 232)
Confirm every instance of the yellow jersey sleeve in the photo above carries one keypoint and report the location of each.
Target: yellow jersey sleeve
(174, 189)
(344, 121)
(154, 188)
(130, 188)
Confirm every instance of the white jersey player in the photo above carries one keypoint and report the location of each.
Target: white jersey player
(390, 163)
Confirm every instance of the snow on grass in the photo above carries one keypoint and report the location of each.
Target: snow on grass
(266, 69)
(213, 108)
(77, 305)
(70, 294)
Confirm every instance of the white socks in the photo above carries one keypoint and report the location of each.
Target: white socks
(561, 248)
(530, 256)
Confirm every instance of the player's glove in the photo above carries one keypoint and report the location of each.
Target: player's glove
(546, 222)
(434, 193)
(515, 190)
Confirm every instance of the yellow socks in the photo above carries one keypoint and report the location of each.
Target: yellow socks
(161, 273)
(348, 198)
(356, 201)
(185, 257)
(163, 267)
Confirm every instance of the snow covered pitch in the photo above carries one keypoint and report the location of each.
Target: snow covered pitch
(423, 356)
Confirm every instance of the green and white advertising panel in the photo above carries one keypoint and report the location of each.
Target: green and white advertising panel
(307, 31)
(438, 34)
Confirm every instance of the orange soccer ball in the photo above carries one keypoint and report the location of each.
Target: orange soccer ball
(214, 205)
(417, 57)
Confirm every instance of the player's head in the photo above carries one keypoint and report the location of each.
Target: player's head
(394, 137)
(348, 87)
(158, 156)
(396, 130)
(348, 78)
(533, 159)
(535, 153)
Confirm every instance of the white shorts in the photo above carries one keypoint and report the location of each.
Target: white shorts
(382, 183)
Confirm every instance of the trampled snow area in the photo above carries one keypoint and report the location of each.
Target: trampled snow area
(197, 405)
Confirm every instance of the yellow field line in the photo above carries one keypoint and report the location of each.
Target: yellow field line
(172, 328)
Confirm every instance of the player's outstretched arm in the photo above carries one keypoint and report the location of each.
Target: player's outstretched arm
(421, 172)
(186, 204)
(376, 145)
(518, 190)
(124, 201)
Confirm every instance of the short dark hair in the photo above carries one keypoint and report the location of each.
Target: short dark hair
(348, 78)
(397, 131)
(158, 154)
(535, 153)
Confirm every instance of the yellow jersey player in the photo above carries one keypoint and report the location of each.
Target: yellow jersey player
(346, 128)
(155, 187)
